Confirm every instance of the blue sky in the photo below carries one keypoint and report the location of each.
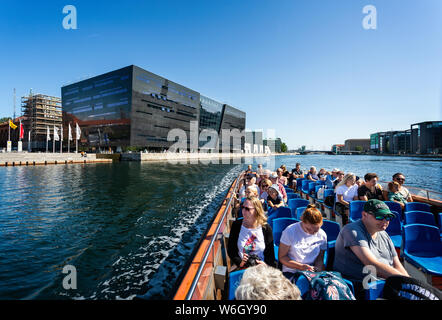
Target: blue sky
(307, 69)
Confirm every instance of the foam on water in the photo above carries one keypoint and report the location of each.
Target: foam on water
(155, 265)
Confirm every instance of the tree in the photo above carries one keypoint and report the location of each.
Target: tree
(283, 147)
(4, 119)
(358, 148)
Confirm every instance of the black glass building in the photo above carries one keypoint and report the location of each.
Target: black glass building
(134, 107)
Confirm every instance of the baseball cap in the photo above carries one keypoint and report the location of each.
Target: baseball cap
(378, 209)
(335, 170)
(273, 175)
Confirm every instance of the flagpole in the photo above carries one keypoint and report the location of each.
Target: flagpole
(61, 139)
(53, 142)
(69, 138)
(47, 139)
(76, 138)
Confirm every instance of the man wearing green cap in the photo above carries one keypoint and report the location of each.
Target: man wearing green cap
(364, 247)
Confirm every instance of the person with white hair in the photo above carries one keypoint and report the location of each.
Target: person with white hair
(263, 282)
(312, 174)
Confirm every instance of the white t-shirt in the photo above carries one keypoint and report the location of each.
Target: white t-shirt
(251, 241)
(304, 247)
(348, 193)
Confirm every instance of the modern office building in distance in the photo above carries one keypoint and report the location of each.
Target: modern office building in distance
(132, 107)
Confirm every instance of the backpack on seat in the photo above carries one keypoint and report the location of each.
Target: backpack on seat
(405, 288)
(324, 285)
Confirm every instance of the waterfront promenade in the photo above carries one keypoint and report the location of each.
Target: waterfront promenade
(29, 159)
(26, 158)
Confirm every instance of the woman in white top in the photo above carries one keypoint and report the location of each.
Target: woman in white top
(251, 236)
(303, 244)
(346, 191)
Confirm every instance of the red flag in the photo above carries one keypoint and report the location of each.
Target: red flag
(22, 131)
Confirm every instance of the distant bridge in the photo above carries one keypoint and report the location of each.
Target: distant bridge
(330, 152)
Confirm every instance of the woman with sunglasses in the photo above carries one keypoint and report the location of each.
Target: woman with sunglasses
(363, 248)
(251, 237)
(400, 179)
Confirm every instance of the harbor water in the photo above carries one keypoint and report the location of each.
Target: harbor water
(128, 228)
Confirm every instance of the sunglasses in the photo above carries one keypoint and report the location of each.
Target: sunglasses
(400, 179)
(379, 218)
(247, 209)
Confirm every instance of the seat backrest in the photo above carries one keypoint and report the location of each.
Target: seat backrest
(299, 212)
(289, 190)
(311, 186)
(292, 196)
(417, 206)
(234, 281)
(331, 228)
(328, 192)
(394, 206)
(279, 225)
(297, 203)
(299, 182)
(422, 240)
(281, 212)
(440, 221)
(394, 227)
(305, 184)
(374, 290)
(355, 210)
(421, 217)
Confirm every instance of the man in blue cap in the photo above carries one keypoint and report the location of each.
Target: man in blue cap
(363, 248)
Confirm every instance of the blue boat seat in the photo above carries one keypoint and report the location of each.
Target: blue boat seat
(417, 206)
(234, 281)
(355, 210)
(394, 206)
(423, 248)
(421, 217)
(375, 290)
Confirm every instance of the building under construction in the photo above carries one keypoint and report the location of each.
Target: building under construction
(40, 112)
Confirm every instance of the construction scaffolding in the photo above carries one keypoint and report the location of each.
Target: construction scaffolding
(40, 112)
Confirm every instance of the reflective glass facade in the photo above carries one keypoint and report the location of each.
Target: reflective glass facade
(134, 107)
(101, 106)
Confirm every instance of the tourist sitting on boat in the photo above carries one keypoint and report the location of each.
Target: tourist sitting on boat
(249, 181)
(251, 237)
(363, 248)
(296, 174)
(265, 185)
(249, 169)
(274, 199)
(260, 170)
(285, 172)
(322, 174)
(340, 176)
(303, 244)
(395, 195)
(281, 179)
(359, 181)
(400, 179)
(262, 282)
(346, 191)
(371, 189)
(274, 179)
(312, 174)
(263, 176)
(334, 174)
